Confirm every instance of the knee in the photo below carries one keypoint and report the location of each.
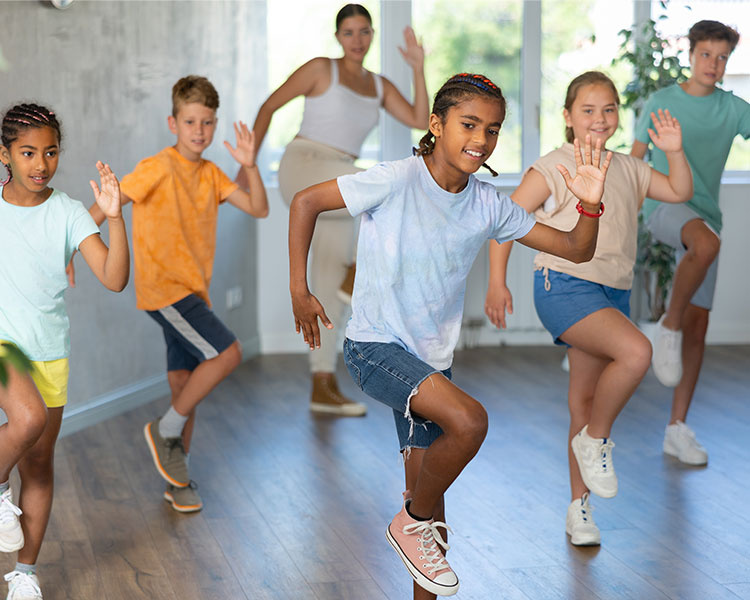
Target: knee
(472, 425)
(232, 356)
(31, 423)
(706, 249)
(638, 357)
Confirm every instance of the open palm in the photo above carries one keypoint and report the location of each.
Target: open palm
(667, 133)
(588, 183)
(414, 53)
(244, 153)
(107, 194)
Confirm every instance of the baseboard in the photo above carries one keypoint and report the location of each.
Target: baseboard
(129, 397)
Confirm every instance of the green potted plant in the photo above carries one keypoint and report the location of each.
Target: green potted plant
(654, 66)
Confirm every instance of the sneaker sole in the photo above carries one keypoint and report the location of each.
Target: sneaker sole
(665, 381)
(180, 508)
(424, 582)
(13, 545)
(585, 540)
(155, 456)
(344, 410)
(670, 451)
(600, 493)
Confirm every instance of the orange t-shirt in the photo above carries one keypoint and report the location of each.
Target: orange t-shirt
(175, 206)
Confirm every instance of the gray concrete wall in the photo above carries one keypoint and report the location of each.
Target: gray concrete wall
(107, 69)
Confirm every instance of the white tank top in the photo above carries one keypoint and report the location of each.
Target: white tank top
(340, 117)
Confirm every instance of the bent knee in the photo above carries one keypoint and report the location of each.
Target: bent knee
(705, 249)
(31, 423)
(473, 424)
(232, 356)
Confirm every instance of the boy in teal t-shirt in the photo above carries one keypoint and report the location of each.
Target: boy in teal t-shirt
(710, 118)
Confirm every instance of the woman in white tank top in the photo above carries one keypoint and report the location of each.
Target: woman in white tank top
(342, 105)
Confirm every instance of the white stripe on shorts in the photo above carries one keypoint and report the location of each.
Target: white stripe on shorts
(173, 316)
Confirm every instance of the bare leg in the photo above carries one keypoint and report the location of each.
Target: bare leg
(464, 424)
(36, 469)
(694, 326)
(609, 335)
(585, 371)
(702, 247)
(206, 377)
(412, 466)
(27, 418)
(177, 381)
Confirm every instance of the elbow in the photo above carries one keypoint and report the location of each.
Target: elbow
(262, 213)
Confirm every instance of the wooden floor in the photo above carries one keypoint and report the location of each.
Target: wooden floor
(296, 506)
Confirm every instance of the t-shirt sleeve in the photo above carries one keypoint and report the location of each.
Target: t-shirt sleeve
(643, 176)
(80, 226)
(511, 221)
(644, 120)
(743, 128)
(144, 179)
(224, 186)
(366, 190)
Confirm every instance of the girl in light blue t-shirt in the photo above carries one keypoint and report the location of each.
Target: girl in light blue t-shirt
(424, 219)
(40, 228)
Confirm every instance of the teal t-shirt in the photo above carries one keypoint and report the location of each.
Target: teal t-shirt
(709, 125)
(36, 244)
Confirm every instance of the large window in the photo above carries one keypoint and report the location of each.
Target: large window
(478, 36)
(580, 36)
(675, 19)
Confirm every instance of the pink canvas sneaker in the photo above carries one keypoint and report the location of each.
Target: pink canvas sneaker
(418, 544)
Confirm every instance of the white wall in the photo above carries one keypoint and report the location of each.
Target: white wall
(730, 319)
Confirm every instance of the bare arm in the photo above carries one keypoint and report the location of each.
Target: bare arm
(530, 194)
(303, 213)
(579, 244)
(252, 199)
(414, 114)
(667, 136)
(303, 82)
(110, 265)
(639, 149)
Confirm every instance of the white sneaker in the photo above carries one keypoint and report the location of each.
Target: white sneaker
(579, 524)
(23, 586)
(594, 457)
(11, 534)
(667, 357)
(680, 442)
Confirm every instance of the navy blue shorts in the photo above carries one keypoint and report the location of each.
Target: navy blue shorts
(193, 333)
(391, 375)
(562, 300)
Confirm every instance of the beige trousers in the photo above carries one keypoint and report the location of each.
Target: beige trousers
(303, 164)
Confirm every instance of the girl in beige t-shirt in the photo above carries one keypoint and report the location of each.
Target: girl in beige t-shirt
(586, 306)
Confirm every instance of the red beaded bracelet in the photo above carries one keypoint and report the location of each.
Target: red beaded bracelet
(581, 210)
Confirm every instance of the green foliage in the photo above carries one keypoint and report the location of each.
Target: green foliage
(11, 355)
(654, 67)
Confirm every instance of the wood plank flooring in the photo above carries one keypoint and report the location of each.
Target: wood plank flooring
(296, 506)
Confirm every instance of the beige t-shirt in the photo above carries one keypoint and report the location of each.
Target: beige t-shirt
(628, 179)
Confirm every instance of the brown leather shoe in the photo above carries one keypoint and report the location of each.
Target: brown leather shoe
(326, 398)
(347, 286)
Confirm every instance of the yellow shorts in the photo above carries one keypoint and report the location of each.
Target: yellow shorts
(51, 379)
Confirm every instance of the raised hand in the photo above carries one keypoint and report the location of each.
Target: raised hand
(588, 183)
(244, 153)
(307, 309)
(413, 53)
(667, 133)
(108, 195)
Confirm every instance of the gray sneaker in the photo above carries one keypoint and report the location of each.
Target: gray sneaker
(185, 499)
(168, 454)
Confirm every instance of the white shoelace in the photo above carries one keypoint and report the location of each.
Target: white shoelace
(605, 454)
(429, 539)
(8, 510)
(23, 584)
(585, 510)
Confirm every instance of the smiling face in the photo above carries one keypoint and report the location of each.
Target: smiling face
(32, 158)
(194, 127)
(468, 136)
(708, 61)
(355, 36)
(594, 112)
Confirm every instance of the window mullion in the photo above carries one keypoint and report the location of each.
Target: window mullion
(531, 82)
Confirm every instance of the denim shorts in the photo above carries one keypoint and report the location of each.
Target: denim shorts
(391, 375)
(562, 300)
(193, 333)
(665, 224)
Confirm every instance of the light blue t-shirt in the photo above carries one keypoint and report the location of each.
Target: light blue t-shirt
(709, 125)
(417, 243)
(36, 244)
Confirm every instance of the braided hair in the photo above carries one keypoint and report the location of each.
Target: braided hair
(454, 91)
(27, 116)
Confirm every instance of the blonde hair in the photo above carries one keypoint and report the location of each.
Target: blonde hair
(194, 88)
(587, 78)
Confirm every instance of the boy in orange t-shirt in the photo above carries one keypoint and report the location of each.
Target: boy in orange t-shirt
(176, 196)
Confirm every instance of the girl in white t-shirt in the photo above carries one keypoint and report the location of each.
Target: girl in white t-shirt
(586, 306)
(40, 228)
(424, 219)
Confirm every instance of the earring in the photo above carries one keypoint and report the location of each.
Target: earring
(8, 177)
